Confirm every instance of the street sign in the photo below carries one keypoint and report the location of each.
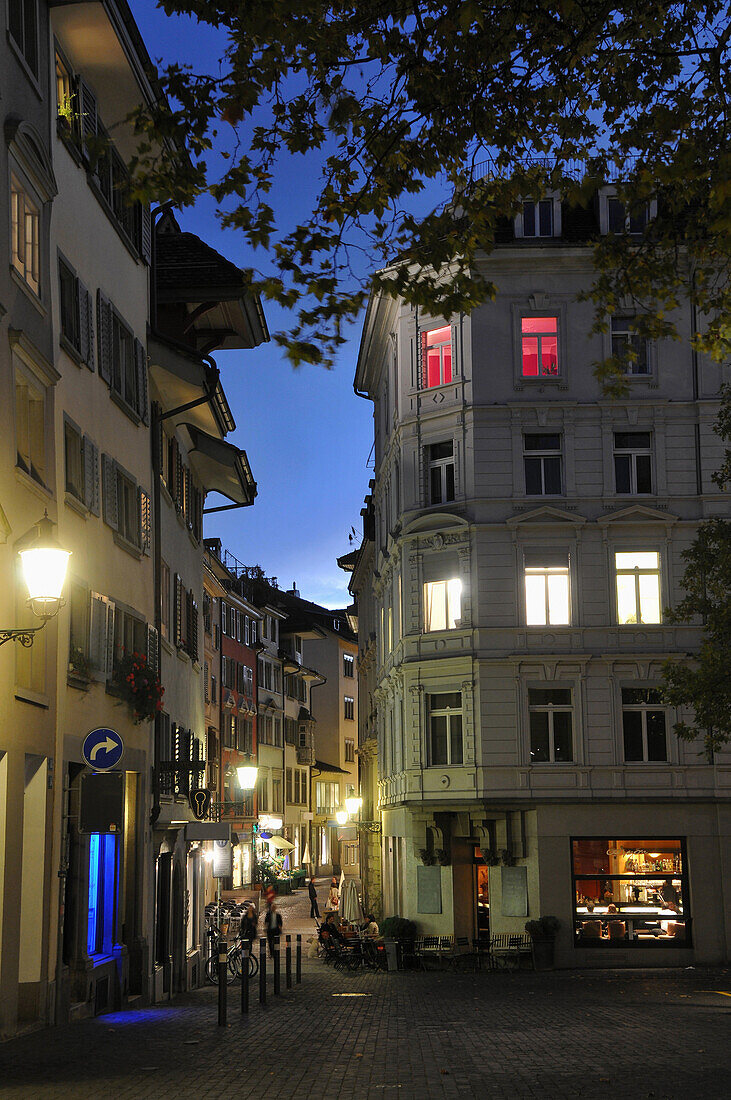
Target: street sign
(200, 803)
(101, 803)
(102, 749)
(223, 859)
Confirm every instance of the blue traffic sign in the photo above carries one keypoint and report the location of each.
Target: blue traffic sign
(102, 749)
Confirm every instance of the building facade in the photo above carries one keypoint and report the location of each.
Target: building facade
(527, 536)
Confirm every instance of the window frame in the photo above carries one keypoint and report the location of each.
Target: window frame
(550, 709)
(542, 453)
(445, 582)
(539, 336)
(632, 453)
(637, 572)
(424, 334)
(349, 708)
(32, 203)
(447, 712)
(349, 666)
(31, 64)
(643, 708)
(629, 336)
(546, 571)
(442, 466)
(554, 202)
(36, 428)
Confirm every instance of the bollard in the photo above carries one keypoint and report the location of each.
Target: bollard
(262, 971)
(222, 984)
(288, 961)
(245, 978)
(277, 974)
(299, 958)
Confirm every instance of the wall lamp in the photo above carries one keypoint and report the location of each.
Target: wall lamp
(246, 775)
(44, 568)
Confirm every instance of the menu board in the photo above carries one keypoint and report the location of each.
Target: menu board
(514, 883)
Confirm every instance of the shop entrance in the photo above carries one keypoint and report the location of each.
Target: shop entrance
(482, 895)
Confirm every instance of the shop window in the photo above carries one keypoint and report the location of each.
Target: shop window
(629, 347)
(643, 725)
(630, 893)
(445, 728)
(542, 463)
(436, 354)
(551, 725)
(538, 218)
(442, 604)
(638, 587)
(546, 580)
(633, 462)
(30, 426)
(539, 347)
(348, 665)
(349, 707)
(23, 28)
(441, 472)
(100, 934)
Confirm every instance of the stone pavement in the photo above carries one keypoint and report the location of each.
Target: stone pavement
(365, 1036)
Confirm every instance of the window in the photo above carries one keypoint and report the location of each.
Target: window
(348, 665)
(436, 352)
(542, 462)
(290, 731)
(23, 26)
(629, 347)
(25, 239)
(65, 91)
(349, 750)
(77, 315)
(633, 462)
(288, 788)
(643, 725)
(539, 347)
(327, 797)
(123, 366)
(638, 587)
(262, 794)
(546, 588)
(130, 634)
(442, 604)
(245, 735)
(630, 893)
(127, 507)
(214, 691)
(538, 218)
(277, 795)
(441, 472)
(81, 457)
(620, 222)
(349, 708)
(445, 728)
(551, 733)
(30, 426)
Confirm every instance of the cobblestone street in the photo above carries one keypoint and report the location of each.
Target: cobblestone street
(411, 1034)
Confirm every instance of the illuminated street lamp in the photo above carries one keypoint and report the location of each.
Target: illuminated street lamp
(44, 568)
(341, 817)
(352, 805)
(247, 776)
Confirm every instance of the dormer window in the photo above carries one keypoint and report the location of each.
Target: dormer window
(436, 354)
(538, 218)
(619, 221)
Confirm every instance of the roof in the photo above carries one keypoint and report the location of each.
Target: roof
(348, 561)
(325, 767)
(186, 264)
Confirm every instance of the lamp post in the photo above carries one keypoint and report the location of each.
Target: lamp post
(44, 569)
(246, 775)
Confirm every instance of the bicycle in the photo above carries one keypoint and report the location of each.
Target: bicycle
(234, 954)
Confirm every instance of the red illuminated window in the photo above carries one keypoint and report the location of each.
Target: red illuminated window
(436, 353)
(539, 340)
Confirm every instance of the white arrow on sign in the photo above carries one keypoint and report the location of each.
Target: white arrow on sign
(104, 746)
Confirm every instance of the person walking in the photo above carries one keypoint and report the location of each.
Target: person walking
(333, 897)
(312, 891)
(273, 925)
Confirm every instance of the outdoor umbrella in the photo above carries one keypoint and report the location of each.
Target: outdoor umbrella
(350, 903)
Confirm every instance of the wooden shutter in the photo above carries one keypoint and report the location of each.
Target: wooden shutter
(206, 693)
(105, 337)
(98, 635)
(179, 478)
(193, 629)
(153, 649)
(91, 475)
(88, 117)
(224, 617)
(109, 490)
(145, 519)
(177, 611)
(145, 233)
(86, 325)
(141, 368)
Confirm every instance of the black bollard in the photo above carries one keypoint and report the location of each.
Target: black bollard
(277, 974)
(262, 971)
(288, 960)
(245, 978)
(299, 958)
(222, 984)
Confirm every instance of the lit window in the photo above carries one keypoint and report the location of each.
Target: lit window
(349, 708)
(442, 604)
(643, 725)
(445, 728)
(547, 595)
(539, 346)
(551, 722)
(348, 665)
(349, 750)
(436, 349)
(638, 587)
(25, 240)
(633, 462)
(538, 218)
(629, 347)
(441, 472)
(542, 463)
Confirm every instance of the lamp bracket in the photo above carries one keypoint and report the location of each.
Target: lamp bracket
(24, 635)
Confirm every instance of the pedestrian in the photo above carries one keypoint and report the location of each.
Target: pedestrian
(333, 897)
(250, 926)
(314, 907)
(273, 925)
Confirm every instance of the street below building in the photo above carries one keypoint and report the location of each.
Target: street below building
(363, 1035)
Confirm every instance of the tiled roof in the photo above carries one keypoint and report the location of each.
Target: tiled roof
(186, 264)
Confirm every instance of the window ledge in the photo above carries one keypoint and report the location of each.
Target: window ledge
(73, 353)
(77, 505)
(34, 698)
(166, 645)
(126, 409)
(182, 655)
(128, 547)
(36, 487)
(78, 680)
(28, 291)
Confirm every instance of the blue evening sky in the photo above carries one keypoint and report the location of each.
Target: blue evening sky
(307, 436)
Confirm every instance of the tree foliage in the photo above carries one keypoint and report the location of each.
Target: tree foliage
(483, 101)
(705, 685)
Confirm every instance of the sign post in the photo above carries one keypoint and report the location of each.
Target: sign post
(102, 749)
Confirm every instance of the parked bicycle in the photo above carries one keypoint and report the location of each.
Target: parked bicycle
(234, 956)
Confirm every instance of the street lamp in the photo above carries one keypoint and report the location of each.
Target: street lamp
(352, 805)
(341, 817)
(44, 568)
(247, 776)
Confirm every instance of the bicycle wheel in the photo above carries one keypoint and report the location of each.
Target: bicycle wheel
(253, 965)
(233, 965)
(211, 969)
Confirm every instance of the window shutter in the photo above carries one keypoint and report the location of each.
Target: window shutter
(91, 475)
(177, 631)
(145, 233)
(153, 652)
(206, 695)
(188, 597)
(86, 325)
(173, 471)
(104, 336)
(88, 121)
(109, 488)
(145, 506)
(98, 634)
(141, 366)
(224, 617)
(193, 628)
(223, 671)
(179, 476)
(109, 656)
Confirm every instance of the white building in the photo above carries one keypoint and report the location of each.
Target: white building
(528, 535)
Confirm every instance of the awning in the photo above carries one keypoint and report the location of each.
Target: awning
(221, 467)
(280, 842)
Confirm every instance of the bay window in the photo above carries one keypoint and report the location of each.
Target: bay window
(445, 728)
(442, 604)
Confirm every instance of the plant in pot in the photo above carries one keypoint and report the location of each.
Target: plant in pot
(403, 931)
(543, 939)
(137, 684)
